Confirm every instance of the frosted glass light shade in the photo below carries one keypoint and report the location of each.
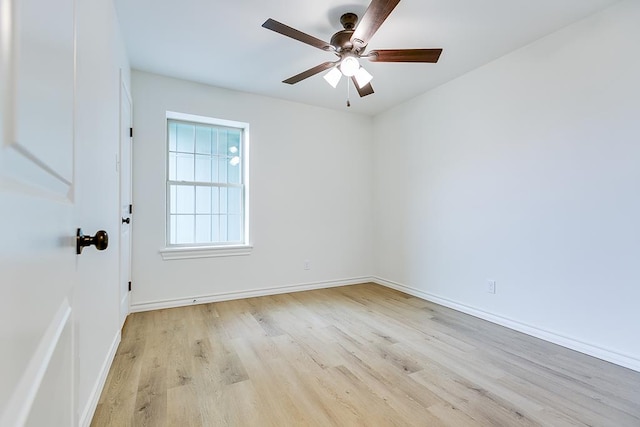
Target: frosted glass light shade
(333, 77)
(349, 66)
(362, 77)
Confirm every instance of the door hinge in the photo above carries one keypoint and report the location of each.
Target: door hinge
(130, 132)
(129, 286)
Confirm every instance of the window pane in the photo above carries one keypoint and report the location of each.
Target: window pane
(223, 162)
(215, 228)
(203, 168)
(184, 229)
(172, 199)
(184, 167)
(223, 200)
(185, 199)
(214, 141)
(203, 228)
(172, 232)
(223, 228)
(234, 205)
(215, 199)
(172, 166)
(172, 136)
(203, 200)
(233, 143)
(223, 142)
(203, 140)
(233, 170)
(186, 137)
(235, 228)
(214, 169)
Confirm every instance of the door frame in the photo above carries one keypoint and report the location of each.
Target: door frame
(125, 143)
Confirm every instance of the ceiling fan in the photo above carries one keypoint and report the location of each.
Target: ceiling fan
(350, 44)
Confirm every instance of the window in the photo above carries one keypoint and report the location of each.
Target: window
(206, 183)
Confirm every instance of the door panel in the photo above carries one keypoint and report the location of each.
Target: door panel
(51, 405)
(37, 234)
(45, 87)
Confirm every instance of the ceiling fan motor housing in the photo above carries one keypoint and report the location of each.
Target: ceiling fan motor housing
(342, 39)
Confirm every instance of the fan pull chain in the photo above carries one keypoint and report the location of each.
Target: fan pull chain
(348, 85)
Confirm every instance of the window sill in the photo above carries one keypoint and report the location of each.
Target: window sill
(204, 252)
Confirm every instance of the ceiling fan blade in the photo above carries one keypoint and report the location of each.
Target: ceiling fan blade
(364, 90)
(285, 30)
(310, 72)
(375, 15)
(405, 55)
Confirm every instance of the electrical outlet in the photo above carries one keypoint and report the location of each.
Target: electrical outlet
(491, 286)
(307, 264)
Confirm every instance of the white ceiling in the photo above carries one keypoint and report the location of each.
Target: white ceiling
(222, 43)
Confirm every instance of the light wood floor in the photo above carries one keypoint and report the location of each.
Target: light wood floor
(359, 355)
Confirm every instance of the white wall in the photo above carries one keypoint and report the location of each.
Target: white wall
(525, 171)
(310, 194)
(100, 57)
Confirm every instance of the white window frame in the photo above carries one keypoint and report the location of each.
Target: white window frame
(172, 252)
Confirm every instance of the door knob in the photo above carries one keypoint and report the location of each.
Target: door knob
(126, 220)
(100, 240)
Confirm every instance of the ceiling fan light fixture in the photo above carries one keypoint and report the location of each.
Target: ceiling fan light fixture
(362, 77)
(333, 76)
(349, 66)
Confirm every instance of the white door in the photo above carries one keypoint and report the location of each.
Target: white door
(37, 212)
(126, 212)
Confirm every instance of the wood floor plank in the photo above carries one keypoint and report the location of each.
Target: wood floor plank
(407, 397)
(360, 355)
(122, 381)
(181, 410)
(151, 397)
(278, 390)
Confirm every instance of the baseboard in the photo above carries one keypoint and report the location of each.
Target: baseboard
(227, 296)
(564, 341)
(92, 404)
